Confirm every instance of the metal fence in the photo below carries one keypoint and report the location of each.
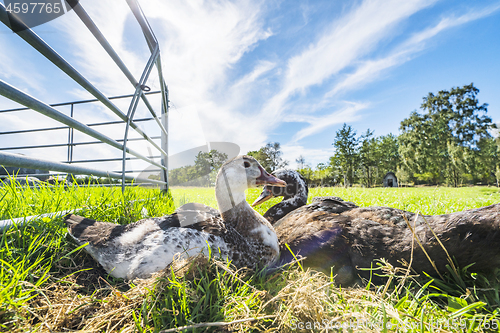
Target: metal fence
(140, 92)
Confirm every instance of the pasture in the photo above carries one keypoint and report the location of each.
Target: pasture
(48, 284)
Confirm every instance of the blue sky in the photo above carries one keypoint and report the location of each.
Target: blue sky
(252, 72)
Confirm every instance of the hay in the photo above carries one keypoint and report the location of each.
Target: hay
(86, 302)
(311, 299)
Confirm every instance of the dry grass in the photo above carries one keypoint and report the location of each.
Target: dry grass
(283, 302)
(87, 302)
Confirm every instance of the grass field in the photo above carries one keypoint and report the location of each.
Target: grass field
(48, 284)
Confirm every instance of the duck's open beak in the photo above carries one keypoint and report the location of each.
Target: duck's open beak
(267, 179)
(263, 197)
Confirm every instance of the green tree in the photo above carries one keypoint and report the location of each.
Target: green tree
(346, 152)
(457, 166)
(301, 162)
(208, 164)
(269, 156)
(450, 119)
(202, 173)
(261, 157)
(324, 175)
(423, 147)
(403, 175)
(307, 173)
(335, 169)
(389, 153)
(369, 158)
(487, 160)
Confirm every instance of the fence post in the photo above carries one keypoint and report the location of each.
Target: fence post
(164, 137)
(70, 139)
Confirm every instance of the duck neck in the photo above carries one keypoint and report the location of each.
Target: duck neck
(284, 207)
(239, 215)
(232, 202)
(228, 197)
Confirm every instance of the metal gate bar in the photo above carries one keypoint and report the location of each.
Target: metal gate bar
(9, 159)
(105, 44)
(20, 97)
(41, 46)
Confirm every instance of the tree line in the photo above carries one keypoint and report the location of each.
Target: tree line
(202, 173)
(447, 142)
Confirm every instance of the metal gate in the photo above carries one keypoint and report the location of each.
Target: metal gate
(140, 92)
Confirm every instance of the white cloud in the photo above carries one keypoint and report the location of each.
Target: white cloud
(370, 70)
(348, 39)
(259, 70)
(199, 42)
(452, 21)
(343, 43)
(312, 156)
(217, 94)
(318, 124)
(13, 71)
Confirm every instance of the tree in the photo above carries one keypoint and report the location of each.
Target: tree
(486, 161)
(202, 173)
(388, 153)
(261, 157)
(269, 156)
(273, 150)
(403, 175)
(301, 162)
(452, 122)
(423, 145)
(324, 174)
(346, 156)
(307, 173)
(457, 166)
(208, 164)
(369, 158)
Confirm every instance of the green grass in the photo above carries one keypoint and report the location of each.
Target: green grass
(425, 200)
(48, 284)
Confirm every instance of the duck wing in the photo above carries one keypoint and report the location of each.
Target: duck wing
(102, 234)
(308, 221)
(87, 230)
(319, 235)
(202, 218)
(333, 204)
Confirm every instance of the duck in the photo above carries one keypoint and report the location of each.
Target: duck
(301, 235)
(294, 194)
(235, 232)
(469, 237)
(337, 236)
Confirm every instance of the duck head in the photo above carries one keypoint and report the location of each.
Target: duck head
(296, 187)
(238, 174)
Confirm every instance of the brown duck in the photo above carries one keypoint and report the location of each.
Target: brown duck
(331, 232)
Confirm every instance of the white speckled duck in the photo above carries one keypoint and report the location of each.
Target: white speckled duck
(237, 233)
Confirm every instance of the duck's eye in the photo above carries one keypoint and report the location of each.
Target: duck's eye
(246, 164)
